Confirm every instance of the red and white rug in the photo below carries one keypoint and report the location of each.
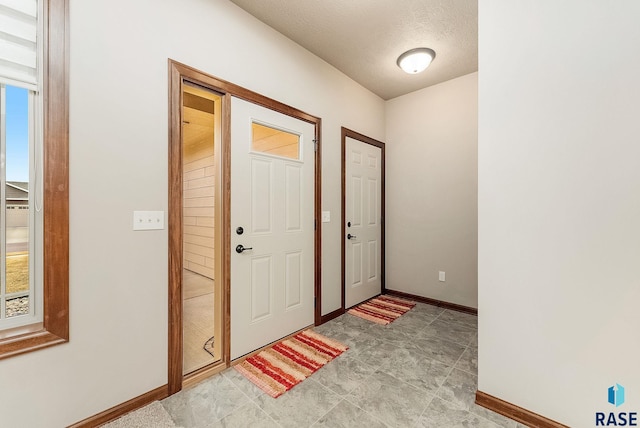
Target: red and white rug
(287, 363)
(382, 309)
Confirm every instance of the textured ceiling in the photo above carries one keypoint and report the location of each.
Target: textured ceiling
(363, 38)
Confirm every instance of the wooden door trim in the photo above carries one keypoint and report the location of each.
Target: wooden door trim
(177, 73)
(367, 140)
(174, 223)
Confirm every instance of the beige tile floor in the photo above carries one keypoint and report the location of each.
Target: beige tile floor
(198, 320)
(419, 371)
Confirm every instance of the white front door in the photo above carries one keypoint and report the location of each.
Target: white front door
(272, 217)
(363, 199)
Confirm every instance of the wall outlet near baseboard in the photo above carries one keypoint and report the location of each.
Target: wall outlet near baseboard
(441, 276)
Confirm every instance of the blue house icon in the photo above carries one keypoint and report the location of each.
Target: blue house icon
(616, 395)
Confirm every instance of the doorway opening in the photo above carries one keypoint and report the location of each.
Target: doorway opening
(198, 314)
(202, 309)
(185, 81)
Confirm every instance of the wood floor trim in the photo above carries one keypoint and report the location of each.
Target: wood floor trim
(204, 373)
(434, 302)
(332, 315)
(514, 412)
(115, 412)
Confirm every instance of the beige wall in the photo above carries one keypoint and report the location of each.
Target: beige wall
(118, 155)
(198, 192)
(431, 191)
(559, 205)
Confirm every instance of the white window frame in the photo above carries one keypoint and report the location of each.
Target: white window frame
(35, 314)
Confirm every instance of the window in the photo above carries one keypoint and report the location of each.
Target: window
(34, 218)
(20, 301)
(273, 141)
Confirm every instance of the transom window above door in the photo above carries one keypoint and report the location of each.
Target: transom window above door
(274, 141)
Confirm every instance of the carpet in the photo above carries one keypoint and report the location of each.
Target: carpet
(153, 415)
(287, 363)
(382, 309)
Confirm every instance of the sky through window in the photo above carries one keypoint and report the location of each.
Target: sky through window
(17, 134)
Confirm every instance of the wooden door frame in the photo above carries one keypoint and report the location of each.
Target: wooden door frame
(178, 73)
(367, 140)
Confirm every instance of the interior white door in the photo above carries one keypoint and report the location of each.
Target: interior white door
(363, 217)
(272, 200)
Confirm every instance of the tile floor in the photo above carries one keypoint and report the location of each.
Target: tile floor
(419, 371)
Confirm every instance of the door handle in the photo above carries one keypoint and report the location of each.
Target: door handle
(350, 236)
(240, 248)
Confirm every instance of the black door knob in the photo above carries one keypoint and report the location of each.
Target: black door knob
(350, 236)
(240, 248)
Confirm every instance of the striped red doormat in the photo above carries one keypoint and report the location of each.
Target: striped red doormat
(287, 363)
(382, 309)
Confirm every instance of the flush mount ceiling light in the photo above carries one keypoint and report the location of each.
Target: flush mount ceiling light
(416, 60)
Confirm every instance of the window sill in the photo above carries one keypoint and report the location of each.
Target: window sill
(25, 339)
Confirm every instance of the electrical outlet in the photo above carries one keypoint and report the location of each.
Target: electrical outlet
(441, 276)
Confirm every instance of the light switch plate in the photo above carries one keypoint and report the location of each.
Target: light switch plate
(441, 276)
(148, 220)
(326, 216)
